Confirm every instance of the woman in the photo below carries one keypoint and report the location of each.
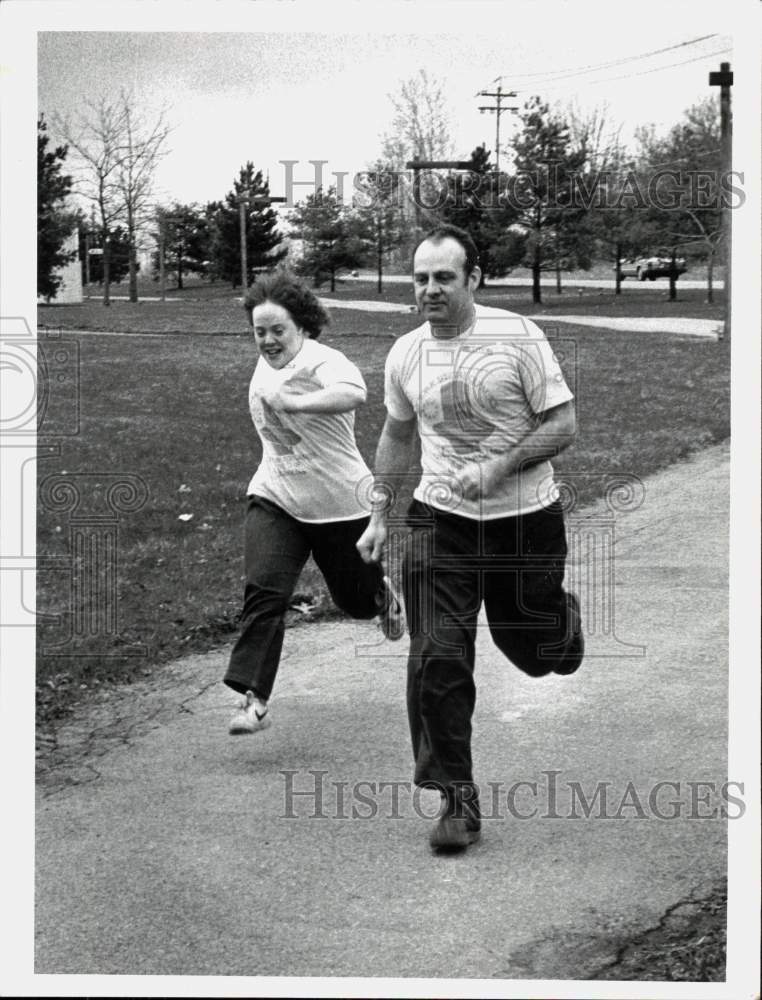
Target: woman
(303, 498)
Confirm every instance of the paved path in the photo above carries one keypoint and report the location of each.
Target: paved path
(164, 847)
(633, 324)
(549, 281)
(686, 326)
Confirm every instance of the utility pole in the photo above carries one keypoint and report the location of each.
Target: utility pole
(724, 80)
(245, 199)
(499, 109)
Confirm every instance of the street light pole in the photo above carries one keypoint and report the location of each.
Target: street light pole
(242, 203)
(245, 199)
(417, 165)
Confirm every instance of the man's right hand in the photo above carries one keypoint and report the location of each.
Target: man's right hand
(372, 541)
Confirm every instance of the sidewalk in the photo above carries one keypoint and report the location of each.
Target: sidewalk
(164, 847)
(634, 324)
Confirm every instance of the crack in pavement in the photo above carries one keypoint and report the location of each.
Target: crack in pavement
(117, 719)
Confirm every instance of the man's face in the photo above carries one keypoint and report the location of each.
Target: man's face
(443, 293)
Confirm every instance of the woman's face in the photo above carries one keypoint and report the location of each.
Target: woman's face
(278, 337)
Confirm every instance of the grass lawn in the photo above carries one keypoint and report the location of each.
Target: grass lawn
(172, 410)
(216, 309)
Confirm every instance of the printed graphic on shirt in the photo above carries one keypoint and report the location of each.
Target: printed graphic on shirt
(459, 420)
(281, 438)
(477, 396)
(272, 428)
(310, 463)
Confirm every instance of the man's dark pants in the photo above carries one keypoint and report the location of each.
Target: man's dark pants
(515, 565)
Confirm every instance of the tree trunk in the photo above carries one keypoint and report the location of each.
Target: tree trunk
(618, 270)
(536, 271)
(180, 268)
(380, 259)
(672, 278)
(106, 271)
(333, 279)
(710, 276)
(558, 268)
(133, 256)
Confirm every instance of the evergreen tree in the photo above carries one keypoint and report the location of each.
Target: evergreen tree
(262, 237)
(379, 213)
(473, 203)
(119, 255)
(683, 173)
(54, 224)
(332, 237)
(546, 164)
(187, 241)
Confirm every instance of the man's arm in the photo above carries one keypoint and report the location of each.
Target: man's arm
(393, 456)
(555, 432)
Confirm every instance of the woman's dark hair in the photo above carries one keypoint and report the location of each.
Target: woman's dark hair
(449, 232)
(285, 290)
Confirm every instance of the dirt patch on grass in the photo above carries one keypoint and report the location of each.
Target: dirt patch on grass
(686, 944)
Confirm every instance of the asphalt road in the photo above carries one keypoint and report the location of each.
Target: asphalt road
(165, 846)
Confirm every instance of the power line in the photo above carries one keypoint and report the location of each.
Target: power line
(644, 72)
(562, 74)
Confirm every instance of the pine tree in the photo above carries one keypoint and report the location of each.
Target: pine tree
(684, 170)
(262, 236)
(379, 212)
(546, 163)
(186, 237)
(54, 224)
(473, 204)
(332, 237)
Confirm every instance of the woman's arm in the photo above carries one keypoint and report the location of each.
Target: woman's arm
(339, 398)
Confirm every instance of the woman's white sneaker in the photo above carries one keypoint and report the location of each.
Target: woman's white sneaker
(250, 717)
(391, 618)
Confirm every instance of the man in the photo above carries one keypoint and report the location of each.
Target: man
(490, 405)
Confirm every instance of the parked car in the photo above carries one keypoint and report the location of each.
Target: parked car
(650, 267)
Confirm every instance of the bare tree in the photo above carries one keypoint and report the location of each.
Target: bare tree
(420, 129)
(140, 149)
(94, 140)
(115, 157)
(592, 131)
(421, 125)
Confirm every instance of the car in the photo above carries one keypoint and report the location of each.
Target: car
(650, 267)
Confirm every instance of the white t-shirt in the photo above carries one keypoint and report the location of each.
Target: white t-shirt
(475, 396)
(311, 466)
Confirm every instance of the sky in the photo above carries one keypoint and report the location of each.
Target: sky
(287, 85)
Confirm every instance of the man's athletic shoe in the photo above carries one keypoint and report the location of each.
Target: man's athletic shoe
(458, 826)
(453, 833)
(391, 618)
(250, 717)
